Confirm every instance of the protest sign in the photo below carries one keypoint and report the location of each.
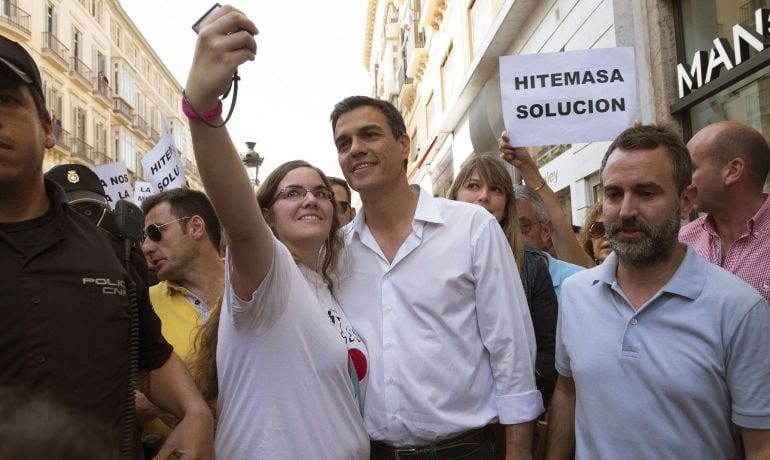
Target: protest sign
(162, 165)
(141, 191)
(115, 180)
(568, 97)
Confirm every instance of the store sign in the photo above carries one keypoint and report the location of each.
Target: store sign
(706, 65)
(568, 97)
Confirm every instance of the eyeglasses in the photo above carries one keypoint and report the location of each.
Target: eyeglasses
(597, 230)
(526, 225)
(344, 205)
(155, 231)
(296, 193)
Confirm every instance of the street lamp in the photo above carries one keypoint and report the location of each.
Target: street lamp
(252, 161)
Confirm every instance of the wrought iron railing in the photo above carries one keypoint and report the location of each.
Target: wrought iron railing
(81, 148)
(62, 136)
(80, 69)
(56, 47)
(122, 107)
(15, 16)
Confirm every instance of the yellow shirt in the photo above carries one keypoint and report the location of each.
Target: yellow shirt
(180, 320)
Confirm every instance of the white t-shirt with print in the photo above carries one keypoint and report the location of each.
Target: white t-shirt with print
(284, 388)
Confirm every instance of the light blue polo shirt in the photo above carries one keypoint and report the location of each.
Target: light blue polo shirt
(664, 381)
(559, 271)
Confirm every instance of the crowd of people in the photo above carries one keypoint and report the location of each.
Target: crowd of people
(287, 325)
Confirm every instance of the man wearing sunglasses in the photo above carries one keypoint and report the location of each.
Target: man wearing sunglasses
(182, 238)
(64, 310)
(345, 210)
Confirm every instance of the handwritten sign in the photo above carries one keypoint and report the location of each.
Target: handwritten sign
(141, 191)
(163, 166)
(568, 97)
(115, 180)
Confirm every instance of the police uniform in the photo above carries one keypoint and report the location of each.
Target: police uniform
(64, 316)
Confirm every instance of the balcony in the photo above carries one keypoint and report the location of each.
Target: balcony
(82, 150)
(101, 88)
(154, 135)
(15, 17)
(55, 51)
(140, 125)
(83, 73)
(62, 137)
(432, 13)
(101, 157)
(122, 108)
(406, 89)
(416, 54)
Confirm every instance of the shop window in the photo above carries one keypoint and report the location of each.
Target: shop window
(746, 100)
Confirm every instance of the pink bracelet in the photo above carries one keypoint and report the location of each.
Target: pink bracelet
(206, 116)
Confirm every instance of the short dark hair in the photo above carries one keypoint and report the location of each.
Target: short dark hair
(650, 137)
(188, 202)
(342, 183)
(395, 120)
(739, 139)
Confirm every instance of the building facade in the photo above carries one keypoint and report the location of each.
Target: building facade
(437, 61)
(105, 88)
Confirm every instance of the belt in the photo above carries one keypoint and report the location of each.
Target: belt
(461, 445)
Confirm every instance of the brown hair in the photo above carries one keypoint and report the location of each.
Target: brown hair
(585, 232)
(203, 366)
(493, 173)
(650, 137)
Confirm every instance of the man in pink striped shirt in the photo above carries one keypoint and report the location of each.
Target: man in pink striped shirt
(731, 161)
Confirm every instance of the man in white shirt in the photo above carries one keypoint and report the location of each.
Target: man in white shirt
(432, 288)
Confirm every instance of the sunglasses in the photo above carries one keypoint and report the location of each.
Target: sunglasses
(155, 231)
(597, 230)
(296, 193)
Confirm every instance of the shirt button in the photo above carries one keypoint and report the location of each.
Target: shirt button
(36, 300)
(390, 380)
(388, 345)
(392, 417)
(634, 321)
(40, 359)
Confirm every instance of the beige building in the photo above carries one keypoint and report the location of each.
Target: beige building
(437, 61)
(104, 86)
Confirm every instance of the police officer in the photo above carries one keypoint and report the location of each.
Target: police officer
(64, 323)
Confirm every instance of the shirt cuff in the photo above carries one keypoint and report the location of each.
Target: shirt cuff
(563, 370)
(753, 422)
(519, 408)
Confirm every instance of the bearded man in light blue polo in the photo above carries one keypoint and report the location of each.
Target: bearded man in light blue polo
(658, 351)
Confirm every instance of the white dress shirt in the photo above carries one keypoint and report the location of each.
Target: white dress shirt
(450, 338)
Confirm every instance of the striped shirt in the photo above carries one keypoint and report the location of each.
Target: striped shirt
(748, 257)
